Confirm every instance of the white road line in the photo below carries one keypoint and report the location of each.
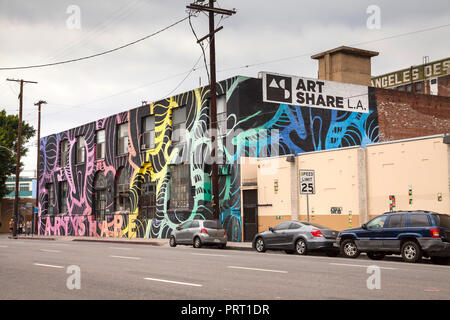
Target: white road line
(359, 265)
(48, 250)
(48, 265)
(122, 257)
(175, 282)
(256, 269)
(209, 254)
(117, 248)
(3, 246)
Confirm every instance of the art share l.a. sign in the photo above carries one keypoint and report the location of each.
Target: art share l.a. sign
(315, 93)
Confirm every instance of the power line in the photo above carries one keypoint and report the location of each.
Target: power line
(95, 55)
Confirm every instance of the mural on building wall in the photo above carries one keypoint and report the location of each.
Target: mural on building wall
(252, 128)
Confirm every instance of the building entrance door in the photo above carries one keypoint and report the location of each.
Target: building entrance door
(250, 202)
(147, 200)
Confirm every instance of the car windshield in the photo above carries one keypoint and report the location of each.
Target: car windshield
(212, 224)
(442, 220)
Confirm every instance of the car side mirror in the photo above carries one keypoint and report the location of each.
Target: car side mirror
(364, 226)
(271, 229)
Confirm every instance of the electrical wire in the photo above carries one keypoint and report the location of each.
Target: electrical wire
(98, 54)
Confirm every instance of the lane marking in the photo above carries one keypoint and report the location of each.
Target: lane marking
(48, 265)
(123, 257)
(209, 254)
(117, 248)
(48, 250)
(256, 269)
(3, 246)
(174, 282)
(360, 265)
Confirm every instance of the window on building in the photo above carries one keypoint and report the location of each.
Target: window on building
(100, 185)
(419, 86)
(63, 195)
(178, 124)
(81, 150)
(122, 195)
(100, 145)
(409, 88)
(122, 139)
(147, 199)
(222, 115)
(24, 187)
(51, 198)
(64, 153)
(10, 188)
(401, 88)
(148, 133)
(179, 186)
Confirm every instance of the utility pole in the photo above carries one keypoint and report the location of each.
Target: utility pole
(213, 95)
(19, 147)
(38, 104)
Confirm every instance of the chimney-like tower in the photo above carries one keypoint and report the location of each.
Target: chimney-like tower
(345, 64)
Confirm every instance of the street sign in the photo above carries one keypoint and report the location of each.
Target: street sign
(307, 182)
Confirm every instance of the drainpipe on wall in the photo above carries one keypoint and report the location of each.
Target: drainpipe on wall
(294, 187)
(362, 186)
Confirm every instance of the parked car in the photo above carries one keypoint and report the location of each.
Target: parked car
(297, 237)
(412, 234)
(199, 233)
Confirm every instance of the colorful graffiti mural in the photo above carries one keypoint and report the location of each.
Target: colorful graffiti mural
(252, 128)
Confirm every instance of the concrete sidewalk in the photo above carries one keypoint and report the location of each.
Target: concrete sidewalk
(141, 241)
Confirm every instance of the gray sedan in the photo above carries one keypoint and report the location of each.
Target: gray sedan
(297, 237)
(199, 233)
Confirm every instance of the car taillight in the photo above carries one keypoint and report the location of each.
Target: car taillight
(203, 231)
(435, 233)
(317, 233)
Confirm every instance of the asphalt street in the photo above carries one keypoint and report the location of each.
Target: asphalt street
(36, 269)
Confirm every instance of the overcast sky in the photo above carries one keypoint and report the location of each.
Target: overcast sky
(36, 32)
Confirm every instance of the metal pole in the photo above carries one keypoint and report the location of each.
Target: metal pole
(35, 217)
(307, 206)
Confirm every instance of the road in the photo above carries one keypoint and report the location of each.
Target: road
(33, 269)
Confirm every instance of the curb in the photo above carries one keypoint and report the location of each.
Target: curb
(121, 241)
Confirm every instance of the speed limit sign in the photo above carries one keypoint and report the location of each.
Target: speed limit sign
(307, 182)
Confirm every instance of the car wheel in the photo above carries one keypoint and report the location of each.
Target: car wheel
(300, 247)
(376, 255)
(172, 242)
(260, 245)
(349, 249)
(333, 253)
(440, 260)
(197, 242)
(411, 252)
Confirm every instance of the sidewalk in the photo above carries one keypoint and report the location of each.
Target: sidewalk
(141, 241)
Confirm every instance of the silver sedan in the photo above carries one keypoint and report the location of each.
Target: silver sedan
(198, 233)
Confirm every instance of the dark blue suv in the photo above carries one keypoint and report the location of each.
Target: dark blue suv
(412, 234)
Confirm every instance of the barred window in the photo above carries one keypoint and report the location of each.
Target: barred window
(81, 150)
(64, 153)
(100, 185)
(148, 133)
(178, 124)
(179, 186)
(51, 198)
(100, 146)
(122, 139)
(122, 191)
(63, 195)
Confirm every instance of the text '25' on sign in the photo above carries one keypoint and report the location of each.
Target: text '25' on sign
(307, 182)
(315, 93)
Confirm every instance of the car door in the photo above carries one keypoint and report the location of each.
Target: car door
(192, 230)
(276, 238)
(394, 227)
(182, 235)
(371, 239)
(292, 233)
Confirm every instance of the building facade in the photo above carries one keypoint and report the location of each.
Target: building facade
(142, 172)
(27, 187)
(429, 78)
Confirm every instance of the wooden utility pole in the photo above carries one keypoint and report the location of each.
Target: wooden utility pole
(213, 94)
(19, 147)
(38, 104)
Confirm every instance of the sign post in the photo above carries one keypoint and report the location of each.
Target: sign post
(307, 186)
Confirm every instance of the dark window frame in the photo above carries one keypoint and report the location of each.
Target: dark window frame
(179, 186)
(81, 147)
(99, 196)
(63, 195)
(100, 146)
(63, 153)
(122, 191)
(122, 140)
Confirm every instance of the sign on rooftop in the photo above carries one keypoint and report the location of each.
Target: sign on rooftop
(315, 93)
